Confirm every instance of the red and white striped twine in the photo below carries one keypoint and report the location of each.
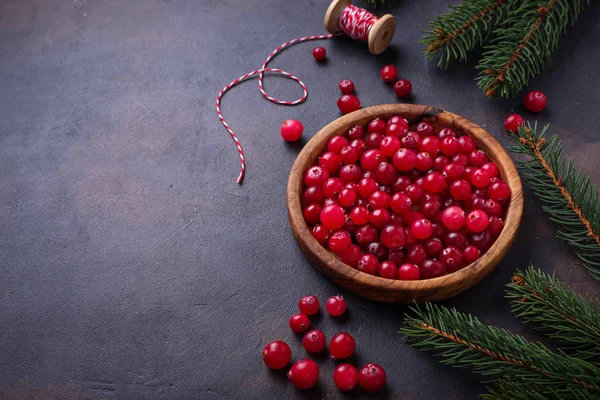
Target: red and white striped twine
(355, 22)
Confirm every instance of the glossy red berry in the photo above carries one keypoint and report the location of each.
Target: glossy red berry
(331, 161)
(335, 305)
(342, 346)
(360, 215)
(333, 217)
(424, 129)
(348, 103)
(460, 189)
(434, 182)
(433, 247)
(416, 254)
(371, 377)
(380, 218)
(449, 146)
(480, 178)
(432, 269)
(356, 132)
(299, 323)
(393, 237)
(429, 144)
(339, 241)
(304, 374)
(389, 145)
(312, 213)
(389, 73)
(321, 233)
(471, 253)
(309, 305)
(371, 159)
(512, 122)
(277, 354)
(314, 341)
(491, 168)
(291, 130)
(535, 101)
(453, 258)
(377, 126)
(477, 221)
(409, 272)
(498, 191)
(421, 228)
(316, 176)
(313, 195)
(477, 158)
(405, 159)
(369, 264)
(319, 53)
(388, 269)
(379, 199)
(350, 173)
(350, 256)
(346, 86)
(385, 173)
(402, 88)
(454, 218)
(345, 377)
(466, 144)
(365, 235)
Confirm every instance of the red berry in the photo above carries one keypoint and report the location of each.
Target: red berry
(460, 159)
(512, 122)
(360, 215)
(535, 101)
(333, 187)
(319, 53)
(453, 258)
(477, 158)
(347, 197)
(360, 146)
(416, 254)
(401, 184)
(309, 305)
(400, 203)
(471, 253)
(455, 238)
(365, 235)
(444, 132)
(277, 354)
(377, 126)
(388, 269)
(379, 199)
(367, 186)
(342, 346)
(316, 176)
(454, 218)
(335, 305)
(466, 144)
(491, 168)
(454, 171)
(371, 159)
(434, 182)
(405, 159)
(378, 250)
(402, 88)
(371, 377)
(350, 256)
(412, 216)
(385, 173)
(320, 233)
(389, 145)
(393, 237)
(421, 228)
(480, 178)
(432, 269)
(313, 195)
(498, 191)
(460, 189)
(349, 155)
(409, 142)
(331, 161)
(380, 218)
(431, 210)
(433, 247)
(314, 341)
(396, 256)
(346, 86)
(345, 377)
(440, 162)
(482, 240)
(291, 130)
(424, 129)
(389, 73)
(339, 241)
(304, 374)
(373, 140)
(449, 146)
(492, 208)
(299, 323)
(414, 192)
(333, 217)
(348, 103)
(350, 173)
(336, 144)
(356, 132)
(429, 144)
(477, 221)
(424, 161)
(409, 272)
(369, 264)
(312, 213)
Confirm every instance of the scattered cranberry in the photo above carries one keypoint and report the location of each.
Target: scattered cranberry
(347, 87)
(348, 103)
(402, 88)
(535, 101)
(299, 323)
(371, 377)
(512, 122)
(277, 354)
(345, 377)
(335, 305)
(314, 341)
(389, 73)
(342, 346)
(319, 53)
(304, 374)
(309, 305)
(291, 130)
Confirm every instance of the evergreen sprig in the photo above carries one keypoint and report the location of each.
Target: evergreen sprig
(567, 194)
(570, 321)
(523, 45)
(452, 35)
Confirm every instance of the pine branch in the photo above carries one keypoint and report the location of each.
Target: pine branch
(459, 31)
(510, 390)
(464, 341)
(567, 193)
(524, 44)
(570, 321)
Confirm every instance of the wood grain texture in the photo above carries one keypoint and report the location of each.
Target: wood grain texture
(396, 291)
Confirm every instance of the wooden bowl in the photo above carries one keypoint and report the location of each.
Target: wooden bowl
(390, 290)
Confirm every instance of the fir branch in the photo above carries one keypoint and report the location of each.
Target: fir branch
(524, 44)
(459, 31)
(567, 193)
(570, 321)
(464, 341)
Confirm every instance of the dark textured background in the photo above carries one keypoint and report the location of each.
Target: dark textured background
(133, 266)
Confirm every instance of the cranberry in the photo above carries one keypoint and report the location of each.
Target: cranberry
(409, 272)
(401, 184)
(482, 240)
(512, 122)
(393, 237)
(350, 256)
(346, 86)
(460, 190)
(379, 199)
(349, 155)
(299, 323)
(430, 144)
(373, 140)
(333, 217)
(348, 197)
(431, 210)
(491, 168)
(438, 229)
(333, 187)
(405, 159)
(320, 233)
(454, 171)
(360, 146)
(402, 88)
(385, 173)
(312, 213)
(416, 254)
(477, 158)
(336, 144)
(345, 377)
(376, 126)
(314, 341)
(365, 235)
(466, 144)
(378, 250)
(348, 103)
(304, 374)
(339, 241)
(535, 101)
(434, 182)
(277, 354)
(389, 145)
(331, 161)
(371, 159)
(495, 225)
(460, 158)
(421, 228)
(454, 218)
(424, 129)
(335, 305)
(316, 176)
(498, 191)
(291, 130)
(309, 305)
(396, 256)
(471, 253)
(480, 178)
(380, 218)
(433, 246)
(371, 377)
(389, 73)
(414, 192)
(444, 132)
(356, 132)
(342, 346)
(400, 203)
(360, 215)
(492, 208)
(432, 269)
(396, 130)
(409, 142)
(313, 195)
(455, 238)
(440, 162)
(424, 161)
(388, 269)
(369, 264)
(350, 173)
(449, 146)
(319, 53)
(453, 258)
(477, 221)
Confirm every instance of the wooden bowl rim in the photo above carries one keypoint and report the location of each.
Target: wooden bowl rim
(484, 265)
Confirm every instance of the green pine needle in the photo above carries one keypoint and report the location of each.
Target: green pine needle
(567, 194)
(569, 320)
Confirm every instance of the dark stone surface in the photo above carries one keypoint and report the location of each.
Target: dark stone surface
(133, 266)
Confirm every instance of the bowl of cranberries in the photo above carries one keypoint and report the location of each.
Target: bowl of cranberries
(404, 202)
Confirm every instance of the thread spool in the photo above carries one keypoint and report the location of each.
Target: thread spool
(380, 34)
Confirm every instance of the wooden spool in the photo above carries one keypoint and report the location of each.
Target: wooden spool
(397, 291)
(380, 35)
